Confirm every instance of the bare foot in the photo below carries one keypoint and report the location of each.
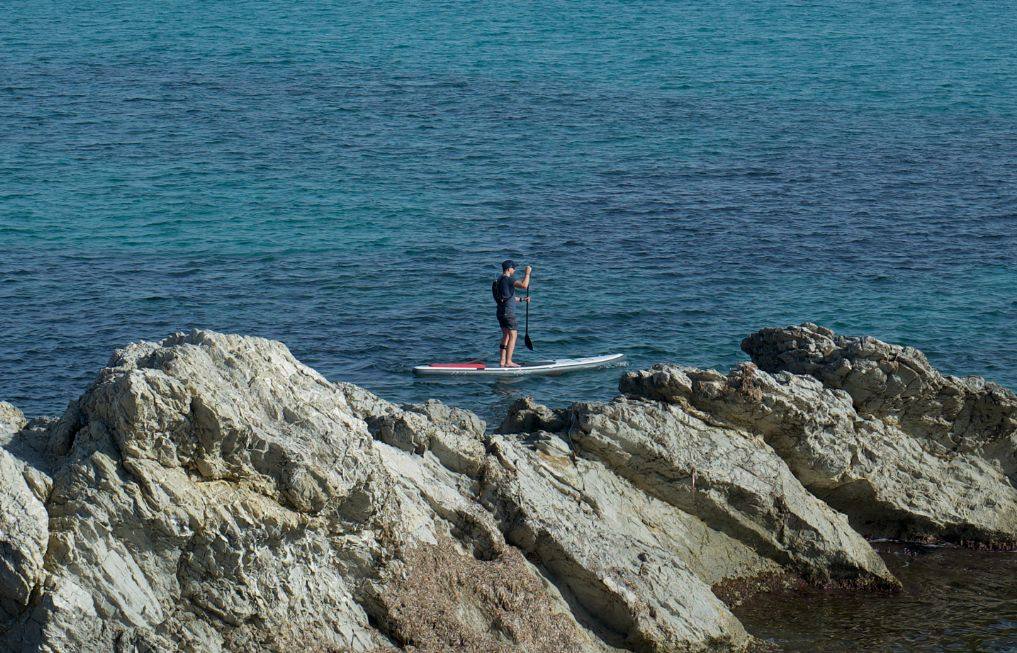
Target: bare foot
(513, 365)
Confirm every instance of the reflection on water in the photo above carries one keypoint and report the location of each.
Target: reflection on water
(953, 600)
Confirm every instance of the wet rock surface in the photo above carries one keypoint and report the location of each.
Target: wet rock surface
(211, 493)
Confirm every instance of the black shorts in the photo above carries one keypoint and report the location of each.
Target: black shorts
(508, 321)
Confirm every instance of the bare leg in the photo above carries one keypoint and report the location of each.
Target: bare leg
(511, 348)
(503, 348)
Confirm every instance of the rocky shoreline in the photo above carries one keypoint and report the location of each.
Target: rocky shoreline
(211, 493)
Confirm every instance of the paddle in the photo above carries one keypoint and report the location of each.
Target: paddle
(526, 333)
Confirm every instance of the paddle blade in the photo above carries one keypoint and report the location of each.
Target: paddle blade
(528, 342)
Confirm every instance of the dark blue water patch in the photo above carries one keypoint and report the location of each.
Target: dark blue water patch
(369, 329)
(348, 182)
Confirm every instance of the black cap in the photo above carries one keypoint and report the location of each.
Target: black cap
(507, 263)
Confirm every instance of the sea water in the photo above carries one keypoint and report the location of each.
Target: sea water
(346, 177)
(952, 600)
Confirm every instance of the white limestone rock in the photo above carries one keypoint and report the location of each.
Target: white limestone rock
(730, 480)
(23, 534)
(889, 482)
(11, 419)
(897, 385)
(642, 568)
(202, 485)
(210, 493)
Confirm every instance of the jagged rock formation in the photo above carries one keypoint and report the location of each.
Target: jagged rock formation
(11, 419)
(897, 384)
(23, 522)
(881, 435)
(729, 480)
(211, 493)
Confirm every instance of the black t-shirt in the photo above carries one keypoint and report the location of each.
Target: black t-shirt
(507, 291)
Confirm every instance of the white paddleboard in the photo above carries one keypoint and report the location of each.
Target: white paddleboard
(558, 366)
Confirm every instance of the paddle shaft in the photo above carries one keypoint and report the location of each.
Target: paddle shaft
(526, 331)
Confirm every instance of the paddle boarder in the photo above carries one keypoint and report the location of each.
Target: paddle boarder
(504, 291)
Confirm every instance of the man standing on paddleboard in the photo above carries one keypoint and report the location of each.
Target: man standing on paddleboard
(504, 291)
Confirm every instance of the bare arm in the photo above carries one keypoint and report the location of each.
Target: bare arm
(525, 283)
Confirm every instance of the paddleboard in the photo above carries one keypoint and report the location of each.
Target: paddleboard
(557, 366)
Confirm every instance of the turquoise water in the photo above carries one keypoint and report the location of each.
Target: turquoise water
(346, 177)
